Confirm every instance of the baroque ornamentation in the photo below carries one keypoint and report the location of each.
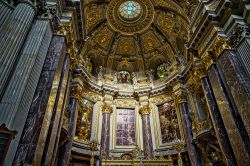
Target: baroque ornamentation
(180, 96)
(145, 110)
(84, 120)
(220, 44)
(130, 26)
(238, 33)
(107, 108)
(199, 68)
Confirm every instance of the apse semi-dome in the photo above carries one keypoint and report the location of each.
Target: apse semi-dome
(139, 34)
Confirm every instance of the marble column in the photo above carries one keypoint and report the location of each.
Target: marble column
(146, 128)
(237, 134)
(72, 121)
(55, 126)
(33, 137)
(182, 105)
(12, 36)
(218, 125)
(105, 137)
(219, 128)
(238, 83)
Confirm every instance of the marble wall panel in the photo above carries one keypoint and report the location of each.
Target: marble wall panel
(235, 137)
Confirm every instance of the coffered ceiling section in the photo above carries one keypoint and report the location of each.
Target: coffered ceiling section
(134, 35)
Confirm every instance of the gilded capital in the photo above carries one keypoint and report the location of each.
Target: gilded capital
(145, 110)
(107, 108)
(180, 97)
(199, 68)
(93, 145)
(76, 92)
(220, 44)
(209, 59)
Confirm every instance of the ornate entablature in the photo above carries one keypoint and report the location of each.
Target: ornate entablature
(125, 90)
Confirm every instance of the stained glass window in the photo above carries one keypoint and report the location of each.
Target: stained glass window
(125, 127)
(130, 9)
(169, 123)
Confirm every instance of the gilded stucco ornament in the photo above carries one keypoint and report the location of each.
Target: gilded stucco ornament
(145, 110)
(180, 97)
(208, 59)
(132, 25)
(199, 68)
(76, 92)
(220, 44)
(178, 145)
(180, 93)
(107, 108)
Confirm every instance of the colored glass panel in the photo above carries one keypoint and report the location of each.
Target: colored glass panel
(125, 127)
(130, 9)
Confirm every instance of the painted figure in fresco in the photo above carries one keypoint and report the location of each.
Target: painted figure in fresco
(84, 120)
(169, 123)
(123, 77)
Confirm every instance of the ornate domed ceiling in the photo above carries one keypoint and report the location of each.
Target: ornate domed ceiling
(134, 35)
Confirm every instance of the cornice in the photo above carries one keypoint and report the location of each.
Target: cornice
(208, 13)
(92, 83)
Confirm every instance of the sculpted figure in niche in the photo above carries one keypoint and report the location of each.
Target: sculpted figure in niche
(134, 79)
(114, 78)
(150, 75)
(88, 65)
(100, 73)
(180, 58)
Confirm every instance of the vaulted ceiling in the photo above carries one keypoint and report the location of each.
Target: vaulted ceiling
(155, 34)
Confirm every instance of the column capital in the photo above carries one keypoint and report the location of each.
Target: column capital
(221, 43)
(199, 68)
(75, 92)
(76, 88)
(209, 59)
(145, 110)
(107, 108)
(180, 96)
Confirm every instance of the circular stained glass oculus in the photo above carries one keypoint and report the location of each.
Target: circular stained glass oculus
(130, 10)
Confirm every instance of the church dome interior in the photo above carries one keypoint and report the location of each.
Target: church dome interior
(125, 82)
